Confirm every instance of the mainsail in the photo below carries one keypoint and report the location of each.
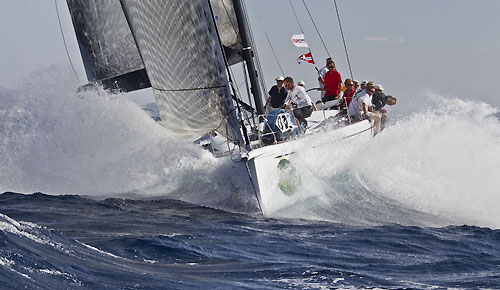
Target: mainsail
(176, 43)
(229, 33)
(107, 46)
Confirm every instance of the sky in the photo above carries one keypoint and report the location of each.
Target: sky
(449, 46)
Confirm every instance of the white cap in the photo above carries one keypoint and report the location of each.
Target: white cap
(301, 83)
(279, 78)
(379, 87)
(363, 82)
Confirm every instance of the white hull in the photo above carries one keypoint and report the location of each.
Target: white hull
(279, 187)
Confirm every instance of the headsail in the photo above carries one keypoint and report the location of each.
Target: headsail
(177, 45)
(185, 64)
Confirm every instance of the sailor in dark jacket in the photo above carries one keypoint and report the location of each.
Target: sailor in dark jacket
(379, 100)
(277, 96)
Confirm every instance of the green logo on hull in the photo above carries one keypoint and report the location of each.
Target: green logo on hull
(289, 179)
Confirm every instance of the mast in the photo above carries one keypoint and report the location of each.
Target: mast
(248, 55)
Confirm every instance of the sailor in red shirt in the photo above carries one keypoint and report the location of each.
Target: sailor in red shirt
(348, 93)
(333, 82)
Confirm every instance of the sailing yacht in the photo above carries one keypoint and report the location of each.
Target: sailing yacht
(183, 50)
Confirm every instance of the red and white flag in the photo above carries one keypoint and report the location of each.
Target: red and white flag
(299, 40)
(306, 57)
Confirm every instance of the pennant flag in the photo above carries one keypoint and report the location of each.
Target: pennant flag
(299, 40)
(306, 57)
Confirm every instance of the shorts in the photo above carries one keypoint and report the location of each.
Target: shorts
(327, 98)
(303, 112)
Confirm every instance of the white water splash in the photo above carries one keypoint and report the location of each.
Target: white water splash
(437, 165)
(57, 141)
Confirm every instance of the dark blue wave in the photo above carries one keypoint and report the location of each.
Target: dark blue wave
(61, 242)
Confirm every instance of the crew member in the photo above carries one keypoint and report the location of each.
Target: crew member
(321, 76)
(333, 82)
(379, 100)
(277, 96)
(361, 107)
(298, 101)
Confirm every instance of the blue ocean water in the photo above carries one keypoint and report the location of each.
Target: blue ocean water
(414, 208)
(73, 242)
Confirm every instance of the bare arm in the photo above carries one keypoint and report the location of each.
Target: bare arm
(365, 110)
(268, 101)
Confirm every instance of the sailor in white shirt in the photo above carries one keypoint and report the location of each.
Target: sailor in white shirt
(361, 107)
(298, 100)
(358, 109)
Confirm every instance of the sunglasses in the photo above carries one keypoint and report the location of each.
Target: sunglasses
(349, 85)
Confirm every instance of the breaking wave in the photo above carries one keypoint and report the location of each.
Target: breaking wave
(433, 165)
(60, 142)
(436, 165)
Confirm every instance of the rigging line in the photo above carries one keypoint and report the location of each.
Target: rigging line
(229, 17)
(260, 75)
(228, 67)
(274, 53)
(269, 41)
(245, 74)
(64, 41)
(317, 30)
(343, 39)
(229, 83)
(245, 77)
(238, 93)
(301, 29)
(345, 137)
(296, 18)
(236, 88)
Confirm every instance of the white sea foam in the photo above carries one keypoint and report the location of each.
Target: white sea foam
(437, 162)
(57, 141)
(436, 165)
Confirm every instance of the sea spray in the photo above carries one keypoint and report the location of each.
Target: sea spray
(444, 160)
(103, 145)
(433, 166)
(59, 141)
